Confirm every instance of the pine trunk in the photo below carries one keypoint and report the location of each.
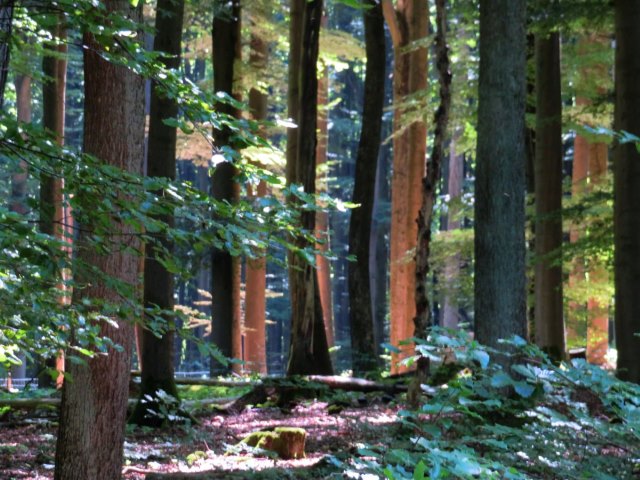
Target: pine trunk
(92, 414)
(322, 218)
(627, 190)
(500, 280)
(225, 269)
(309, 352)
(549, 321)
(256, 281)
(157, 351)
(363, 342)
(408, 24)
(52, 218)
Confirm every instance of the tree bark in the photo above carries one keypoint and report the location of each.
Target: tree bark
(309, 352)
(363, 344)
(92, 415)
(627, 191)
(256, 281)
(51, 198)
(500, 281)
(225, 273)
(407, 23)
(17, 201)
(157, 351)
(322, 218)
(6, 23)
(450, 313)
(549, 321)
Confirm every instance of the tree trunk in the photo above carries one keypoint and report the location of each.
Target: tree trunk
(407, 24)
(322, 218)
(627, 191)
(256, 280)
(51, 198)
(450, 314)
(157, 351)
(6, 23)
(92, 415)
(363, 345)
(17, 201)
(500, 281)
(549, 321)
(597, 313)
(309, 352)
(225, 269)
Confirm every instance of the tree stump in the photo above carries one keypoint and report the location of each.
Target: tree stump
(287, 442)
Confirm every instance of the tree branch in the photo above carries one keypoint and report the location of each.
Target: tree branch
(392, 21)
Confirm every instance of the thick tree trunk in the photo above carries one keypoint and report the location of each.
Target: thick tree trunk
(549, 321)
(255, 353)
(51, 199)
(309, 353)
(6, 23)
(363, 345)
(225, 269)
(407, 24)
(157, 351)
(627, 191)
(500, 281)
(94, 404)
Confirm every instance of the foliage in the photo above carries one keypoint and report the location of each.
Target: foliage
(533, 420)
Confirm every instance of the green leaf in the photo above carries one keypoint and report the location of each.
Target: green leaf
(481, 357)
(501, 379)
(524, 389)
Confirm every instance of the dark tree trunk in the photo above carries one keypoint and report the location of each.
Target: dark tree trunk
(6, 23)
(157, 352)
(92, 414)
(309, 353)
(627, 191)
(549, 322)
(225, 269)
(363, 346)
(500, 282)
(51, 201)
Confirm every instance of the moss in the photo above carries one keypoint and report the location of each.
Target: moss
(287, 442)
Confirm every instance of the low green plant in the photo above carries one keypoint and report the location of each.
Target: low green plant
(528, 419)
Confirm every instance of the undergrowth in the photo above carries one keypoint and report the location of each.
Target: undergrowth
(532, 419)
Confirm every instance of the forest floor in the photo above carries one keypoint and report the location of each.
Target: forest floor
(206, 449)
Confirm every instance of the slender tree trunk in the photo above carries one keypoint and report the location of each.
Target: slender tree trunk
(309, 353)
(450, 315)
(225, 269)
(407, 23)
(322, 218)
(549, 321)
(579, 175)
(157, 371)
(423, 321)
(92, 414)
(500, 279)
(6, 23)
(256, 281)
(17, 202)
(627, 190)
(363, 345)
(598, 313)
(51, 198)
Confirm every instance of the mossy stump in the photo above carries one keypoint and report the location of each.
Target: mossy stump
(286, 442)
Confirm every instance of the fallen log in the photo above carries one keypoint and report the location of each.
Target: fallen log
(33, 403)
